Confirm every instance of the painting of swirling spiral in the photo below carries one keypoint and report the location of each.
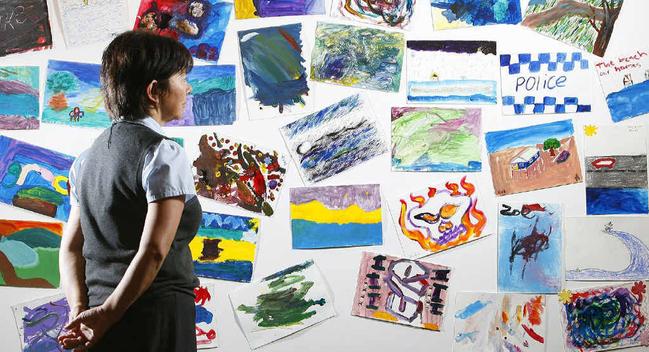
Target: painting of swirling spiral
(604, 318)
(498, 322)
(334, 139)
(435, 139)
(449, 14)
(388, 13)
(401, 291)
(198, 25)
(19, 106)
(273, 71)
(40, 322)
(282, 304)
(439, 217)
(34, 178)
(367, 58)
(238, 173)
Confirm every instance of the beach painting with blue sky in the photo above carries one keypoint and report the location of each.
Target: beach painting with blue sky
(225, 247)
(531, 158)
(452, 72)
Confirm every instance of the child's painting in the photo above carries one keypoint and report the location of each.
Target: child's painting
(273, 70)
(40, 322)
(395, 14)
(531, 158)
(452, 72)
(367, 58)
(545, 83)
(73, 96)
(199, 25)
(436, 139)
(19, 106)
(586, 24)
(282, 304)
(25, 26)
(206, 332)
(438, 217)
(225, 247)
(29, 253)
(625, 82)
(244, 9)
(605, 248)
(238, 173)
(334, 139)
(401, 291)
(530, 247)
(213, 100)
(92, 21)
(450, 14)
(336, 216)
(495, 322)
(605, 318)
(616, 170)
(34, 178)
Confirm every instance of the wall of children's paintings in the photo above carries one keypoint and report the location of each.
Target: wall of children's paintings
(447, 175)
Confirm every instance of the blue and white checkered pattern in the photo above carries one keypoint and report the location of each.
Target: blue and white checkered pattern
(568, 100)
(550, 62)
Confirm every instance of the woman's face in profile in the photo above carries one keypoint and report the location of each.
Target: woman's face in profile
(174, 100)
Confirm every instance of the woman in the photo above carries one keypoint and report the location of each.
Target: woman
(125, 263)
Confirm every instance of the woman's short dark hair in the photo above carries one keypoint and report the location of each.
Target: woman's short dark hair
(130, 62)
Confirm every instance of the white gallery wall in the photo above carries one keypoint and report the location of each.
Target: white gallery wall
(474, 264)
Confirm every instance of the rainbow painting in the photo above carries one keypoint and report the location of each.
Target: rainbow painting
(29, 253)
(336, 216)
(34, 178)
(225, 246)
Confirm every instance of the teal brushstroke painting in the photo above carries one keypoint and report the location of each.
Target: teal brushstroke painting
(19, 107)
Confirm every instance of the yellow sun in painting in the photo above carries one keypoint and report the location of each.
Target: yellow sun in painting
(565, 296)
(590, 130)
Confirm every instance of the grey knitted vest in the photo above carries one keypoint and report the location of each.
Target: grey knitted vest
(113, 209)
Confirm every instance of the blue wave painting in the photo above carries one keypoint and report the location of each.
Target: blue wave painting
(600, 201)
(72, 95)
(213, 100)
(637, 269)
(19, 105)
(334, 139)
(273, 67)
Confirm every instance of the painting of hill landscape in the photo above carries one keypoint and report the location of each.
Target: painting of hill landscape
(531, 158)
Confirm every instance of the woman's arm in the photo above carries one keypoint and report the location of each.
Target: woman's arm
(72, 265)
(159, 231)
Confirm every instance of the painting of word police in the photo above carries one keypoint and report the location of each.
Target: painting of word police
(439, 218)
(401, 291)
(531, 158)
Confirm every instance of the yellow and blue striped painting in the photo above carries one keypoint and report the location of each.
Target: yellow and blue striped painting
(336, 216)
(225, 246)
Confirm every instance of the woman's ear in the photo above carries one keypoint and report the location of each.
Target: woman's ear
(153, 92)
